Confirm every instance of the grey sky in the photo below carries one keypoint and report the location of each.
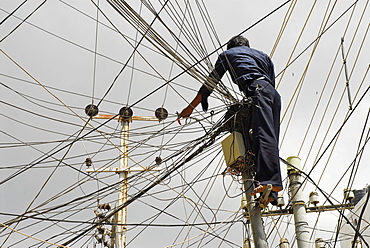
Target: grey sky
(56, 47)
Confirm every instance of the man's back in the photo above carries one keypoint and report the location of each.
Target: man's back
(245, 64)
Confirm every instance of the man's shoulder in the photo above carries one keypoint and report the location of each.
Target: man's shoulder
(256, 51)
(244, 49)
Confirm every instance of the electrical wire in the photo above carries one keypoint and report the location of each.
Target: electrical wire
(186, 188)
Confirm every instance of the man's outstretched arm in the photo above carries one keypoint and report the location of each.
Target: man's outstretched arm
(186, 112)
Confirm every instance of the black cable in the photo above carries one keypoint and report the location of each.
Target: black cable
(113, 224)
(23, 21)
(357, 231)
(152, 185)
(201, 60)
(354, 168)
(327, 198)
(129, 58)
(12, 13)
(339, 130)
(55, 152)
(318, 37)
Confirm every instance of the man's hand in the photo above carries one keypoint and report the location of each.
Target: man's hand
(186, 112)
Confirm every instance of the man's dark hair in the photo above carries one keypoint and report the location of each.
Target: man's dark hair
(237, 41)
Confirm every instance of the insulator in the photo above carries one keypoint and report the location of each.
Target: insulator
(126, 113)
(314, 198)
(319, 243)
(100, 229)
(88, 162)
(243, 203)
(99, 215)
(280, 201)
(91, 110)
(105, 206)
(98, 239)
(158, 160)
(295, 165)
(358, 244)
(248, 243)
(348, 194)
(161, 114)
(284, 243)
(246, 215)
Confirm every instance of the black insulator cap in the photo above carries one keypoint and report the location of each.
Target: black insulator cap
(91, 110)
(161, 114)
(158, 160)
(126, 113)
(105, 206)
(99, 240)
(88, 162)
(100, 230)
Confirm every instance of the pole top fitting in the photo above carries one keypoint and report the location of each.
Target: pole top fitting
(91, 110)
(296, 165)
(161, 114)
(125, 114)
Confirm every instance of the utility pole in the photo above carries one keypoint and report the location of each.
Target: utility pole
(125, 117)
(299, 206)
(254, 210)
(299, 209)
(121, 227)
(236, 159)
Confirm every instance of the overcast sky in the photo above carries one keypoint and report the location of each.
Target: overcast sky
(59, 60)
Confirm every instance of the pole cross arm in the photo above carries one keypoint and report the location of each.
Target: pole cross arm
(134, 118)
(128, 169)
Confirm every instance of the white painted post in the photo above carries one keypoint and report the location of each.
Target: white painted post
(258, 233)
(298, 204)
(119, 232)
(122, 195)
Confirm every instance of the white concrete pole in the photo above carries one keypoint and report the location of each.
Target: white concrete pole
(125, 117)
(122, 195)
(258, 233)
(298, 204)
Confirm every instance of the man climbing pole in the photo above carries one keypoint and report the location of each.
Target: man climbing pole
(253, 72)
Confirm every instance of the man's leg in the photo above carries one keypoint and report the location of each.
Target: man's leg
(265, 124)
